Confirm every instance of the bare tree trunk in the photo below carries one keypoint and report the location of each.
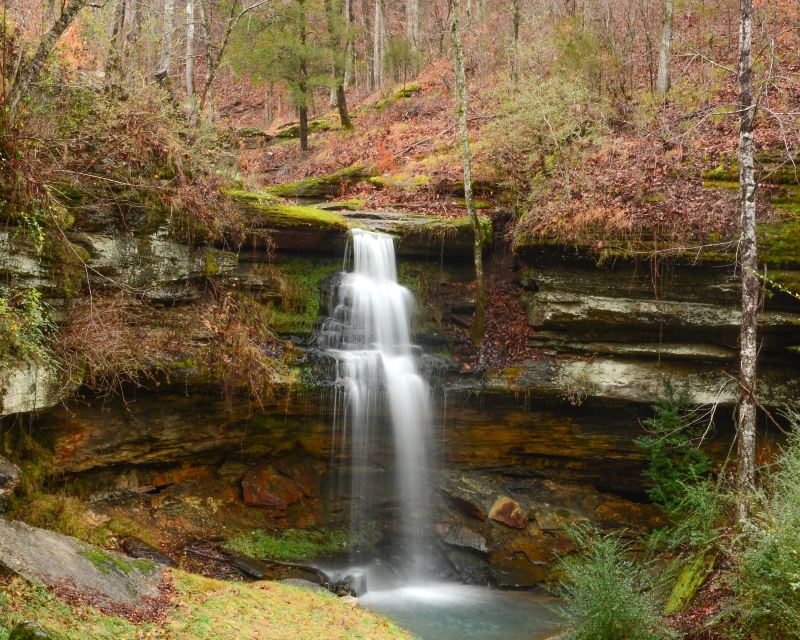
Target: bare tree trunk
(461, 90)
(114, 57)
(29, 73)
(368, 35)
(412, 23)
(338, 46)
(349, 62)
(379, 33)
(746, 418)
(190, 59)
(165, 59)
(664, 50)
(516, 18)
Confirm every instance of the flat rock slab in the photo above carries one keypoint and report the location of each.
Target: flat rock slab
(67, 564)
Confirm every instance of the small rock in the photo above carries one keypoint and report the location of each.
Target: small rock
(303, 584)
(265, 487)
(32, 631)
(9, 479)
(137, 548)
(508, 512)
(251, 567)
(349, 600)
(355, 583)
(460, 536)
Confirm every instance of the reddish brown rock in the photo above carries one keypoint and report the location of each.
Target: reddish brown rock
(508, 512)
(305, 473)
(265, 487)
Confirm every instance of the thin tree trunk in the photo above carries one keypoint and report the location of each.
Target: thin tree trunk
(664, 50)
(516, 18)
(746, 418)
(114, 57)
(377, 45)
(412, 23)
(162, 73)
(367, 23)
(348, 61)
(190, 59)
(461, 91)
(29, 73)
(339, 50)
(303, 112)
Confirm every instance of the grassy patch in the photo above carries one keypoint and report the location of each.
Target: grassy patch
(203, 608)
(292, 544)
(64, 514)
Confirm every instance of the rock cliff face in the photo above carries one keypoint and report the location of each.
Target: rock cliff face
(523, 449)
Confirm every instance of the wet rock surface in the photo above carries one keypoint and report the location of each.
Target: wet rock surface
(481, 548)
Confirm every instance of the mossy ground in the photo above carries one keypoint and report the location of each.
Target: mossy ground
(289, 545)
(202, 608)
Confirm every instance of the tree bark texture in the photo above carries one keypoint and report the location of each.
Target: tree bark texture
(462, 100)
(746, 418)
(29, 73)
(664, 50)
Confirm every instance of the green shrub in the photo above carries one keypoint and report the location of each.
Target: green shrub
(608, 595)
(672, 447)
(25, 326)
(767, 582)
(289, 545)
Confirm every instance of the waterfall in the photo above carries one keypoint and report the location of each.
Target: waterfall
(369, 337)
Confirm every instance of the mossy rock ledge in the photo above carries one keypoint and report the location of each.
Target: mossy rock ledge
(425, 236)
(287, 227)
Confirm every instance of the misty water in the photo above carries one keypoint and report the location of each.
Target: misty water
(369, 337)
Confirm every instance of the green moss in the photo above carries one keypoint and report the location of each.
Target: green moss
(298, 281)
(406, 91)
(265, 212)
(693, 575)
(289, 545)
(107, 562)
(779, 242)
(463, 224)
(321, 186)
(476, 203)
(354, 204)
(401, 181)
(773, 169)
(314, 126)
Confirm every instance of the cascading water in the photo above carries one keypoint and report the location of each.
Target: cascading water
(369, 336)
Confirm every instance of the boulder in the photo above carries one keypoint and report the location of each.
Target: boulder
(305, 473)
(508, 512)
(251, 567)
(103, 577)
(265, 487)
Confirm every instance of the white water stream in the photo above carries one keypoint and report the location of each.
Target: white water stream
(369, 336)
